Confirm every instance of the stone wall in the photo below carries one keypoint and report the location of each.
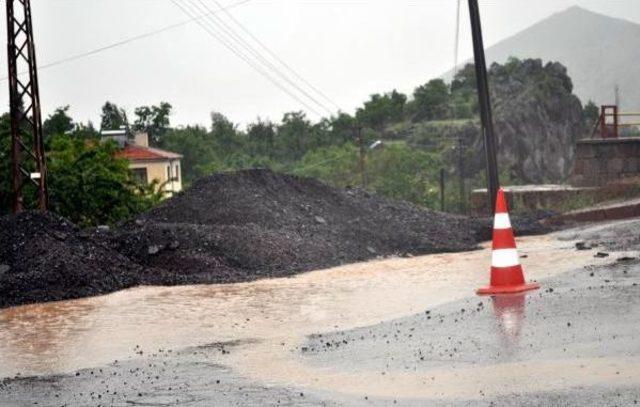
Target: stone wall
(603, 161)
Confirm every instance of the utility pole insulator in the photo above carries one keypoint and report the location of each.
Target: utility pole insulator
(490, 145)
(27, 146)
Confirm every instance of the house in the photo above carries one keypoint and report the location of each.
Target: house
(148, 164)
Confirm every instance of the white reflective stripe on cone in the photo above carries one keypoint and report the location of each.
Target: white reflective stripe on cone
(504, 258)
(501, 221)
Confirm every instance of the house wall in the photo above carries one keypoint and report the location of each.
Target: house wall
(157, 170)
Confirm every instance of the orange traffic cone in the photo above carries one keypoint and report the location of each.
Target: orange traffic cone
(506, 271)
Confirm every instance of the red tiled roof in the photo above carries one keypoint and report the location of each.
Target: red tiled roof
(133, 152)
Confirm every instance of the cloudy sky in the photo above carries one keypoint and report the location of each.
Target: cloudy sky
(345, 49)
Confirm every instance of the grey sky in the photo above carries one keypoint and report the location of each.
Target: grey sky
(347, 49)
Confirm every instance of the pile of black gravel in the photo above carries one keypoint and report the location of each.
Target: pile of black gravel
(44, 257)
(256, 223)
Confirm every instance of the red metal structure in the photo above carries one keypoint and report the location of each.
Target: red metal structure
(29, 172)
(609, 122)
(608, 128)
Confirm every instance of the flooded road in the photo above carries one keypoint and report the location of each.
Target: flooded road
(65, 336)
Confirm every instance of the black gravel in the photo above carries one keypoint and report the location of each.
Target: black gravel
(255, 223)
(43, 257)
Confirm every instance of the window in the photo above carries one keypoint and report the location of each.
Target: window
(140, 175)
(177, 173)
(169, 173)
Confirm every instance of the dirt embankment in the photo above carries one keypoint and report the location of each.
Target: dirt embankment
(228, 227)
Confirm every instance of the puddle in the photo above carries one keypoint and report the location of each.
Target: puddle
(65, 336)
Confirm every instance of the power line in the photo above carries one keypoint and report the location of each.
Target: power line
(238, 40)
(188, 11)
(212, 30)
(128, 40)
(265, 61)
(275, 56)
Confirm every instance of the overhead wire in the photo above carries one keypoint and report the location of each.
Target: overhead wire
(239, 41)
(275, 56)
(212, 32)
(234, 38)
(125, 41)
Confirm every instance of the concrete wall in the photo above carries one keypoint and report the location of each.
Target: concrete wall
(157, 170)
(603, 161)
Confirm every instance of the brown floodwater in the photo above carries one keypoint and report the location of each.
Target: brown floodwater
(64, 336)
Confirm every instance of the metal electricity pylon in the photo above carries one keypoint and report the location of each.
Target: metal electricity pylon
(27, 146)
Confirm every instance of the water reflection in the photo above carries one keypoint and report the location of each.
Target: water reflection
(509, 311)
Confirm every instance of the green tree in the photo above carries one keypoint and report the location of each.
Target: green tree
(341, 128)
(261, 137)
(590, 113)
(225, 134)
(431, 101)
(85, 131)
(154, 120)
(113, 117)
(293, 136)
(402, 172)
(58, 122)
(335, 165)
(380, 110)
(89, 186)
(196, 147)
(464, 81)
(396, 171)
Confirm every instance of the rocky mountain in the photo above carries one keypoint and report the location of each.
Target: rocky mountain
(599, 52)
(537, 119)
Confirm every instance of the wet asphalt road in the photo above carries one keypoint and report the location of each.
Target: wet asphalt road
(582, 330)
(591, 313)
(575, 342)
(192, 377)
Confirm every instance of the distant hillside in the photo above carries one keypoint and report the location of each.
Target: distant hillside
(598, 51)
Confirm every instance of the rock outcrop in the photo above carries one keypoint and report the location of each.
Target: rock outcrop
(537, 119)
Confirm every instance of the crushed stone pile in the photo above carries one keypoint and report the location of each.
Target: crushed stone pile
(43, 257)
(250, 224)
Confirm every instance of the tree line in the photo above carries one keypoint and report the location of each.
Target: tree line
(90, 186)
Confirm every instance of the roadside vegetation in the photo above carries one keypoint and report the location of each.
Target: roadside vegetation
(433, 129)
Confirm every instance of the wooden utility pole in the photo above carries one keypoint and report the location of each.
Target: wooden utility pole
(488, 134)
(461, 173)
(362, 156)
(27, 145)
(441, 189)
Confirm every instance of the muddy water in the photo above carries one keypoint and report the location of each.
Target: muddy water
(64, 336)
